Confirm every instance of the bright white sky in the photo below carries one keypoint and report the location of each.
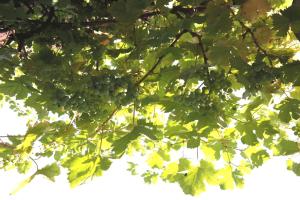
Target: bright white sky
(272, 181)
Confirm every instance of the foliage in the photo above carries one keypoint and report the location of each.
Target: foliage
(217, 79)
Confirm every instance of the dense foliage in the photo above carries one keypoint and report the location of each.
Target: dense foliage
(202, 90)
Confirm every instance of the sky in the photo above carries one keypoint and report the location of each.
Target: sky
(271, 181)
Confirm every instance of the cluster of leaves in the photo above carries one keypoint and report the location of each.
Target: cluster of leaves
(215, 78)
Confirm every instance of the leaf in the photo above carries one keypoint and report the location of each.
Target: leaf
(150, 177)
(147, 129)
(218, 19)
(265, 127)
(193, 143)
(128, 11)
(292, 73)
(219, 54)
(259, 158)
(80, 169)
(105, 163)
(287, 147)
(289, 109)
(120, 145)
(194, 182)
(50, 171)
(226, 179)
(281, 24)
(184, 164)
(170, 171)
(250, 139)
(295, 94)
(253, 9)
(155, 161)
(295, 167)
(14, 88)
(24, 167)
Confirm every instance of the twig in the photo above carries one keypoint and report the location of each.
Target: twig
(199, 37)
(133, 113)
(160, 58)
(6, 136)
(248, 30)
(37, 167)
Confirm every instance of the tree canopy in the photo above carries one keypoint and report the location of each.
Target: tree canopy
(203, 90)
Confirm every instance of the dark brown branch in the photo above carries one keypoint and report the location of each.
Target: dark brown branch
(109, 117)
(148, 14)
(199, 37)
(151, 70)
(160, 59)
(50, 14)
(188, 11)
(249, 31)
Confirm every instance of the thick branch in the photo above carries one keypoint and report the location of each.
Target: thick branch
(41, 25)
(148, 14)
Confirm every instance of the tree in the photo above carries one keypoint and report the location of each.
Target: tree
(218, 78)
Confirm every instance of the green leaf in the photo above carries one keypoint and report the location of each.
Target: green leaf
(265, 127)
(295, 167)
(250, 139)
(281, 24)
(24, 167)
(219, 54)
(170, 171)
(50, 171)
(287, 147)
(155, 160)
(80, 169)
(226, 178)
(184, 164)
(120, 145)
(194, 182)
(128, 11)
(218, 19)
(259, 158)
(193, 143)
(150, 177)
(292, 73)
(105, 163)
(289, 109)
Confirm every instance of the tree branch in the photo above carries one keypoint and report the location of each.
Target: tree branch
(248, 30)
(194, 34)
(160, 58)
(21, 37)
(177, 37)
(148, 14)
(36, 165)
